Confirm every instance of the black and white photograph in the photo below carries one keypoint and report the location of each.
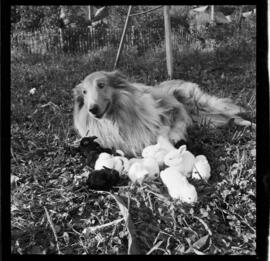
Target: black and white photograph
(133, 130)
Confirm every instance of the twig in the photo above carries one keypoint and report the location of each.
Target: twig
(75, 231)
(166, 233)
(220, 211)
(159, 196)
(53, 105)
(101, 191)
(50, 104)
(204, 224)
(93, 229)
(246, 223)
(168, 244)
(156, 246)
(156, 238)
(174, 220)
(82, 244)
(84, 247)
(150, 202)
(12, 154)
(243, 220)
(147, 11)
(189, 228)
(53, 229)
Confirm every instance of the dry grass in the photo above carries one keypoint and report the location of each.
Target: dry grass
(53, 212)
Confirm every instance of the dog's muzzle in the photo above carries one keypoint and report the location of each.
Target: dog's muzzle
(96, 111)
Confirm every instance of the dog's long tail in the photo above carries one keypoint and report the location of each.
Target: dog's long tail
(204, 107)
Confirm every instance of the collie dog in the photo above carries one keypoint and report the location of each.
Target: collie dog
(130, 116)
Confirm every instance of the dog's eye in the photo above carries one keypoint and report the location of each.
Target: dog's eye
(84, 91)
(101, 85)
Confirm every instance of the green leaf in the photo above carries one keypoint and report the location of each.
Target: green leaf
(203, 243)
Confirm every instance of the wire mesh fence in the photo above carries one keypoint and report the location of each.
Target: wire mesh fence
(74, 41)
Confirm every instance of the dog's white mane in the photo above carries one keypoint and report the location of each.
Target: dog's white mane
(134, 121)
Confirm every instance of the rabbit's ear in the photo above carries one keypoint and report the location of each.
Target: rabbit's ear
(182, 149)
(158, 146)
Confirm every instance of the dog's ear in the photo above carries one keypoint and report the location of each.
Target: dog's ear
(77, 91)
(117, 79)
(118, 74)
(78, 95)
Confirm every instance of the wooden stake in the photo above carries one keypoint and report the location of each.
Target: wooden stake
(61, 38)
(90, 12)
(168, 41)
(212, 14)
(122, 39)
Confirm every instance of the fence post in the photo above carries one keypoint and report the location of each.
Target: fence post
(132, 34)
(167, 25)
(122, 38)
(212, 14)
(61, 38)
(91, 12)
(30, 41)
(94, 38)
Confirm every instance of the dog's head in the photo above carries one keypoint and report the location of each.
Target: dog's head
(96, 91)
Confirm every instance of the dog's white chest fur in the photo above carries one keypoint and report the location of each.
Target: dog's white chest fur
(132, 124)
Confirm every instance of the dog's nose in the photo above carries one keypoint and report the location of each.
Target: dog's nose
(94, 109)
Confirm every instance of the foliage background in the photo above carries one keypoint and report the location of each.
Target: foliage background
(37, 17)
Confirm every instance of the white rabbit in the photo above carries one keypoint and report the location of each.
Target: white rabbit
(120, 152)
(178, 185)
(133, 160)
(104, 160)
(201, 168)
(137, 172)
(147, 167)
(118, 163)
(151, 165)
(182, 159)
(158, 151)
(159, 156)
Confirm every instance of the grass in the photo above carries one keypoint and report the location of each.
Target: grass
(52, 211)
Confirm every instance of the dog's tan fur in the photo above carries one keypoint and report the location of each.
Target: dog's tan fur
(136, 114)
